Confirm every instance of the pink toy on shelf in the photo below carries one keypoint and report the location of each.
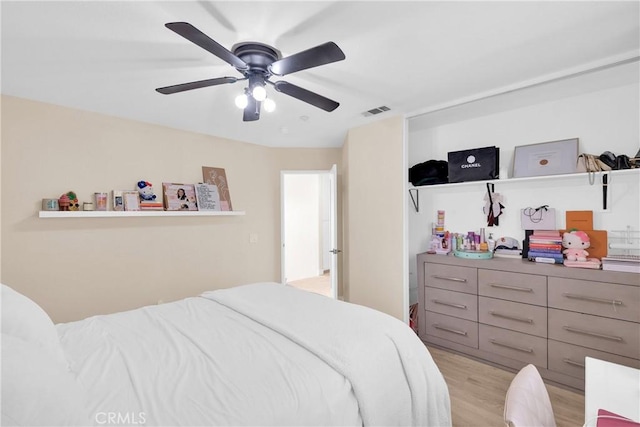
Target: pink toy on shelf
(575, 243)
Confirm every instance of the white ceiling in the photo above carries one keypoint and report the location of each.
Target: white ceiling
(108, 57)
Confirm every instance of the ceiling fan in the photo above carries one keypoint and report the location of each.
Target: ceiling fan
(257, 62)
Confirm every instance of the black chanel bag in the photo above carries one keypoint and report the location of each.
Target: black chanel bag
(477, 164)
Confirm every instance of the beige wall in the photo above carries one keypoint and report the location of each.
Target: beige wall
(80, 267)
(373, 221)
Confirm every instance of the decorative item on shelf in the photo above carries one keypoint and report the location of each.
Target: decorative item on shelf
(505, 247)
(545, 246)
(50, 205)
(69, 202)
(145, 189)
(476, 164)
(575, 244)
(64, 202)
(493, 206)
(179, 197)
(87, 206)
(208, 197)
(100, 201)
(540, 218)
(117, 199)
(148, 200)
(218, 177)
(131, 200)
(546, 158)
(430, 172)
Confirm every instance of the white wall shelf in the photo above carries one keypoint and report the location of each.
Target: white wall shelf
(415, 197)
(121, 214)
(583, 175)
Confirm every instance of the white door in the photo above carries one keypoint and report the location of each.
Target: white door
(333, 225)
(288, 223)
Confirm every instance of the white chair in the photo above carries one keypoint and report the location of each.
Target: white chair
(527, 403)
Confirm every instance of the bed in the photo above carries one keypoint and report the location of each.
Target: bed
(258, 354)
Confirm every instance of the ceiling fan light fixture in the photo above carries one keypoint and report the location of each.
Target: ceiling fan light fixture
(242, 101)
(269, 105)
(259, 93)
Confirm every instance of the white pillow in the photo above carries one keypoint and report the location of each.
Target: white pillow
(23, 318)
(38, 390)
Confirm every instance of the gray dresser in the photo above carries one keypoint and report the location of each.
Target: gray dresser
(512, 312)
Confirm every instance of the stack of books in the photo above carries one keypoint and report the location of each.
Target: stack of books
(627, 263)
(546, 246)
(151, 205)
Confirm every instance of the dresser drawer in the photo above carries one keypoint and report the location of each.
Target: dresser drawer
(609, 335)
(525, 288)
(460, 279)
(530, 319)
(451, 303)
(601, 299)
(514, 345)
(569, 359)
(453, 329)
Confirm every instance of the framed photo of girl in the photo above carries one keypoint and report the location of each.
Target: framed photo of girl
(179, 197)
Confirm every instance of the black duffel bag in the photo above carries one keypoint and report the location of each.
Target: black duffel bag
(429, 173)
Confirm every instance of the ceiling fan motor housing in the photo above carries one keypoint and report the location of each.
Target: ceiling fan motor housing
(258, 57)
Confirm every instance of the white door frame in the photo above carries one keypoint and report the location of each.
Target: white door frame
(332, 173)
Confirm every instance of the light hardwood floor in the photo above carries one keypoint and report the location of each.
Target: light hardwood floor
(477, 393)
(320, 284)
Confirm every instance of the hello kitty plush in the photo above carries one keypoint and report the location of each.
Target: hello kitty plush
(575, 243)
(145, 189)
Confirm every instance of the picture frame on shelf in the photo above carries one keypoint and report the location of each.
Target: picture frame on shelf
(131, 200)
(117, 200)
(179, 197)
(207, 197)
(218, 177)
(546, 158)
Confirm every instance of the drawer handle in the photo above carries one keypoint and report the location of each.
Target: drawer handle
(573, 362)
(510, 317)
(592, 334)
(453, 279)
(592, 299)
(449, 304)
(513, 347)
(511, 288)
(444, 328)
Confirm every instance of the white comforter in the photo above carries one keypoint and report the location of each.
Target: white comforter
(262, 354)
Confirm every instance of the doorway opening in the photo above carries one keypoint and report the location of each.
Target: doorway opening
(308, 216)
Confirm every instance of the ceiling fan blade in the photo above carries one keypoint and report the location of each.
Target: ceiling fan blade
(196, 36)
(314, 57)
(251, 111)
(306, 96)
(167, 90)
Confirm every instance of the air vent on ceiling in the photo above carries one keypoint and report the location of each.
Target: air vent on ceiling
(376, 110)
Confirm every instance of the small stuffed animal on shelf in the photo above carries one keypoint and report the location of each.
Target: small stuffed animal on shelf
(575, 243)
(145, 189)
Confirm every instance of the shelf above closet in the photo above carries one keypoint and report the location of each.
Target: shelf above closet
(121, 214)
(567, 176)
(414, 192)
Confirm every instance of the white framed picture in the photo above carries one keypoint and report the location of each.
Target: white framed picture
(546, 158)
